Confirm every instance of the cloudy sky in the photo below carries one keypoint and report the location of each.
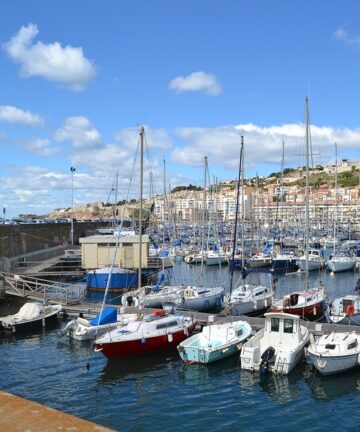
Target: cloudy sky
(79, 78)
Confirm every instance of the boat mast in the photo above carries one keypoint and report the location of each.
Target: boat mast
(116, 200)
(242, 213)
(282, 196)
(307, 214)
(336, 193)
(203, 224)
(236, 220)
(141, 202)
(164, 222)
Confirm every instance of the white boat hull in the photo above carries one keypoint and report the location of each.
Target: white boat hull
(335, 364)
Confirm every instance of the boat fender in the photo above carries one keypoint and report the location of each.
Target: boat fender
(314, 310)
(170, 337)
(207, 304)
(350, 310)
(135, 302)
(186, 331)
(143, 340)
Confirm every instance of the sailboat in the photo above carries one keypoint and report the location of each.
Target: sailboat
(245, 298)
(340, 260)
(149, 333)
(283, 262)
(309, 303)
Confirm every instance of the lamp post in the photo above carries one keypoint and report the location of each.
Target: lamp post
(72, 169)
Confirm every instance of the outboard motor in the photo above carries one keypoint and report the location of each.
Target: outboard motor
(266, 356)
(65, 330)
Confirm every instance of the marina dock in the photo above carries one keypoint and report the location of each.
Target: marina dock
(21, 415)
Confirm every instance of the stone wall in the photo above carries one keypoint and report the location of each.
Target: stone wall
(16, 240)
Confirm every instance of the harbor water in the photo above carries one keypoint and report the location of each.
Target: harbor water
(158, 392)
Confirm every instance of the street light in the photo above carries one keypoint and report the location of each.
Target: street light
(72, 169)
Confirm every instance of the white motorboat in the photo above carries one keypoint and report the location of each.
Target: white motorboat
(260, 260)
(215, 258)
(30, 316)
(278, 347)
(215, 342)
(335, 352)
(316, 261)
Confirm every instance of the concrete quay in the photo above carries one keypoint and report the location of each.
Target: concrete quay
(21, 415)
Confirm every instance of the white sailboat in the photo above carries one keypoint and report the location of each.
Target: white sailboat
(246, 298)
(309, 303)
(339, 261)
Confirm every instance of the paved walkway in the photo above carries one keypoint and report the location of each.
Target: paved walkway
(21, 415)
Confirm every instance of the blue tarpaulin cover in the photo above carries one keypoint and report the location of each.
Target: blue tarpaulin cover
(108, 316)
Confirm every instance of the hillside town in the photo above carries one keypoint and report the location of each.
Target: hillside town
(267, 200)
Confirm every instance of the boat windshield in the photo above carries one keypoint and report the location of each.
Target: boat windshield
(275, 324)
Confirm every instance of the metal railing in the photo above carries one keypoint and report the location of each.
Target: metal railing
(42, 289)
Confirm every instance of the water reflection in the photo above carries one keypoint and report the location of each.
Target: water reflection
(281, 388)
(137, 367)
(199, 373)
(328, 388)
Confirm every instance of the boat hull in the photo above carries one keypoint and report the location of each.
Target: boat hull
(328, 365)
(200, 355)
(284, 266)
(312, 312)
(145, 345)
(340, 266)
(120, 282)
(36, 324)
(251, 307)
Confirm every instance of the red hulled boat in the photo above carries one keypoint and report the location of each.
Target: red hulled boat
(310, 304)
(150, 334)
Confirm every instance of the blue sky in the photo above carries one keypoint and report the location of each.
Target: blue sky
(78, 78)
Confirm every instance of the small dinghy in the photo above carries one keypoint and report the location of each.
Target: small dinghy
(215, 342)
(30, 316)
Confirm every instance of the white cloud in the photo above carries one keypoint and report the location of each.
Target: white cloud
(342, 35)
(41, 147)
(197, 81)
(65, 65)
(80, 132)
(262, 144)
(12, 114)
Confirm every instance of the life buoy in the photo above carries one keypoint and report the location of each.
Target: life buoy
(350, 310)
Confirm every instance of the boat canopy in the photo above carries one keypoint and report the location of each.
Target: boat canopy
(108, 316)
